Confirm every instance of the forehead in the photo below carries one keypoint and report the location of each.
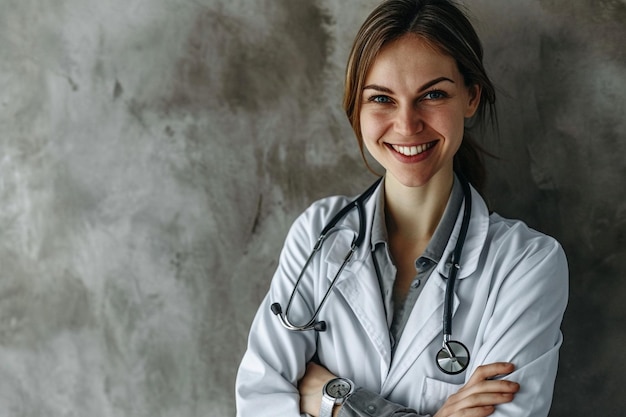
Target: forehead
(411, 57)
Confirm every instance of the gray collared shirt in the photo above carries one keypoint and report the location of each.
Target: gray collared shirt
(397, 315)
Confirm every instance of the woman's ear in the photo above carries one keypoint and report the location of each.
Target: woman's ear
(474, 92)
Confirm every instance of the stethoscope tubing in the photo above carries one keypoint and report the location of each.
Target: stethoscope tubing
(313, 324)
(453, 357)
(456, 260)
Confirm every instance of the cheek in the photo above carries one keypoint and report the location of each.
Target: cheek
(372, 126)
(364, 124)
(370, 133)
(450, 124)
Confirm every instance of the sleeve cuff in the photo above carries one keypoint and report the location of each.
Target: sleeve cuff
(364, 403)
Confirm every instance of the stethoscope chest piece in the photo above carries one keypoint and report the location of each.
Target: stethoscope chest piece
(453, 358)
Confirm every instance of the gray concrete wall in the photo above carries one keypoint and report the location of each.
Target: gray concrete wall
(154, 153)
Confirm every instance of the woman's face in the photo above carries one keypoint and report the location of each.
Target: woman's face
(413, 108)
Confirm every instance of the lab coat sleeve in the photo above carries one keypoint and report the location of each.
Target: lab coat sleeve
(363, 403)
(522, 321)
(276, 358)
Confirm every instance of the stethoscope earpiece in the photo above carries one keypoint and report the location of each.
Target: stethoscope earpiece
(276, 308)
(320, 326)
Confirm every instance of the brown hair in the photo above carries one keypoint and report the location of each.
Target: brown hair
(443, 24)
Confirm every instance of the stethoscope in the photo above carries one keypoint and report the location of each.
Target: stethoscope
(453, 358)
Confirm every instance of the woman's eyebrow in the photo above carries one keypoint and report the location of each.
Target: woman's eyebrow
(433, 82)
(378, 88)
(429, 84)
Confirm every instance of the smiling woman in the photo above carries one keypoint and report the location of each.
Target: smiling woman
(413, 109)
(442, 28)
(421, 245)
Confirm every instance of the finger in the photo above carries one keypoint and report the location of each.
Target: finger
(474, 412)
(478, 404)
(483, 400)
(486, 392)
(488, 387)
(493, 386)
(490, 371)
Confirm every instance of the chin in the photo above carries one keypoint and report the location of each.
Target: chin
(412, 181)
(421, 177)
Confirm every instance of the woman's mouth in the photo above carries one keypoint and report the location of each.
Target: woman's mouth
(413, 150)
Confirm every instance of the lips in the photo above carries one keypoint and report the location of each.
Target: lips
(413, 150)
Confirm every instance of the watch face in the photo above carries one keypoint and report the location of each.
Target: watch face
(338, 388)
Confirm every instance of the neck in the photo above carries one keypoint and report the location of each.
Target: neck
(413, 213)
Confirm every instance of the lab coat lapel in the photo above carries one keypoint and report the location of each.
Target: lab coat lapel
(361, 291)
(422, 328)
(358, 283)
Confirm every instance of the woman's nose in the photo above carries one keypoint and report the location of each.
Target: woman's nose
(408, 121)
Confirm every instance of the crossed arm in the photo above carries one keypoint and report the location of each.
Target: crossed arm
(477, 398)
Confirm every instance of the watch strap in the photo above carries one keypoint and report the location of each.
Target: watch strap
(329, 400)
(326, 409)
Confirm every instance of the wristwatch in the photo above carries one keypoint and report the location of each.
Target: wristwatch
(335, 393)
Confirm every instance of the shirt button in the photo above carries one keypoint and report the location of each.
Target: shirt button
(416, 283)
(371, 409)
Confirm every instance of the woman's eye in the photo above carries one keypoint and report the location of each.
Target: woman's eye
(380, 99)
(435, 95)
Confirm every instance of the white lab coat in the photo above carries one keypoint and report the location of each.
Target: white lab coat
(509, 301)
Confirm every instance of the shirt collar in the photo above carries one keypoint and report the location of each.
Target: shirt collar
(379, 227)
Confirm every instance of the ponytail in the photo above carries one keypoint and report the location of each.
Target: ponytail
(470, 162)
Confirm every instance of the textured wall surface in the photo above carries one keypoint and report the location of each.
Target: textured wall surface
(154, 153)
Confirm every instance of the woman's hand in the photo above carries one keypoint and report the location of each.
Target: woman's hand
(310, 387)
(480, 396)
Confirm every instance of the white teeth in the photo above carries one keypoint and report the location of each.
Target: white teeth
(412, 150)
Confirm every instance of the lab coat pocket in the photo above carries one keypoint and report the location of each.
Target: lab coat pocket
(435, 393)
